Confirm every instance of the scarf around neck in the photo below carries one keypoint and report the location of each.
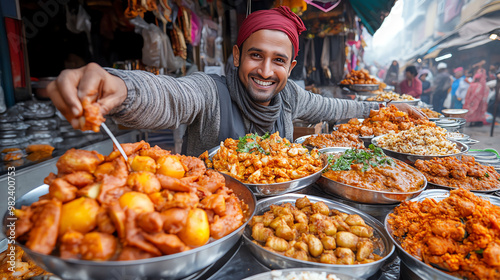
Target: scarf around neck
(258, 118)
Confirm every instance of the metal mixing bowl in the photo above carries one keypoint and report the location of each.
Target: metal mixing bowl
(364, 195)
(415, 265)
(411, 158)
(173, 266)
(277, 261)
(264, 190)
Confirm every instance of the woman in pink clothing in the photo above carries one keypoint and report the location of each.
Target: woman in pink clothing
(411, 85)
(476, 99)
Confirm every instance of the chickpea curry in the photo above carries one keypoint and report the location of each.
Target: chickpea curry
(371, 169)
(312, 232)
(102, 208)
(264, 159)
(459, 235)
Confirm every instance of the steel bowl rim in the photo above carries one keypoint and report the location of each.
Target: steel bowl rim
(463, 147)
(141, 261)
(384, 192)
(352, 209)
(397, 244)
(299, 269)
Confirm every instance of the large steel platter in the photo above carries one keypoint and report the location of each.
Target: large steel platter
(266, 190)
(415, 265)
(290, 271)
(173, 266)
(364, 195)
(411, 158)
(277, 261)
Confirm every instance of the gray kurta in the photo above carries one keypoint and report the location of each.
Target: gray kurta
(160, 102)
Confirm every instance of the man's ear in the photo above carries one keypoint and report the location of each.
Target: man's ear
(292, 65)
(236, 56)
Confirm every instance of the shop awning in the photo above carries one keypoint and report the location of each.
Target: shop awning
(372, 13)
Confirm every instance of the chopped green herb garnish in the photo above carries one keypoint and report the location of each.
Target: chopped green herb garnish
(368, 158)
(480, 251)
(248, 143)
(486, 175)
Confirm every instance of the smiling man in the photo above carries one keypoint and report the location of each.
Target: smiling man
(254, 97)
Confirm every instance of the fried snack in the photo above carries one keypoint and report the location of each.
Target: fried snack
(334, 139)
(24, 267)
(92, 117)
(459, 235)
(430, 114)
(8, 150)
(39, 148)
(454, 173)
(359, 77)
(391, 96)
(420, 140)
(312, 232)
(103, 208)
(387, 119)
(13, 155)
(373, 170)
(264, 160)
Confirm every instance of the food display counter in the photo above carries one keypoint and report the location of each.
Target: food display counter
(246, 249)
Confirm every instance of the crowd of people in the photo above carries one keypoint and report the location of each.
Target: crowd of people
(464, 87)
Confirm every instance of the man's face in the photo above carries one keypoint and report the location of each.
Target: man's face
(409, 76)
(459, 74)
(264, 64)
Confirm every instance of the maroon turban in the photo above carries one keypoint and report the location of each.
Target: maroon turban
(281, 19)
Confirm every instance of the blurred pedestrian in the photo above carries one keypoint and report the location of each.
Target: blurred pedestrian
(426, 86)
(476, 99)
(491, 73)
(442, 84)
(458, 88)
(411, 85)
(392, 74)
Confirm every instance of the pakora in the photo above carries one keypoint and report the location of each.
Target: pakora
(459, 235)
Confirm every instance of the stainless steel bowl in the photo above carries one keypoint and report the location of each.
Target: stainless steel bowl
(264, 190)
(367, 140)
(363, 87)
(302, 139)
(174, 266)
(364, 195)
(277, 261)
(415, 265)
(290, 271)
(411, 158)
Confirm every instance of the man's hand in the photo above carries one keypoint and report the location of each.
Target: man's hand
(90, 81)
(410, 110)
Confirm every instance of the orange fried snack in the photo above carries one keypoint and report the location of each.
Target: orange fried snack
(92, 117)
(334, 139)
(454, 173)
(387, 119)
(459, 235)
(102, 208)
(39, 148)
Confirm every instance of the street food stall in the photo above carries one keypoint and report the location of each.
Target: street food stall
(342, 209)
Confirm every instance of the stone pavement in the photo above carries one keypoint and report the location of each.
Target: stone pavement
(482, 134)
